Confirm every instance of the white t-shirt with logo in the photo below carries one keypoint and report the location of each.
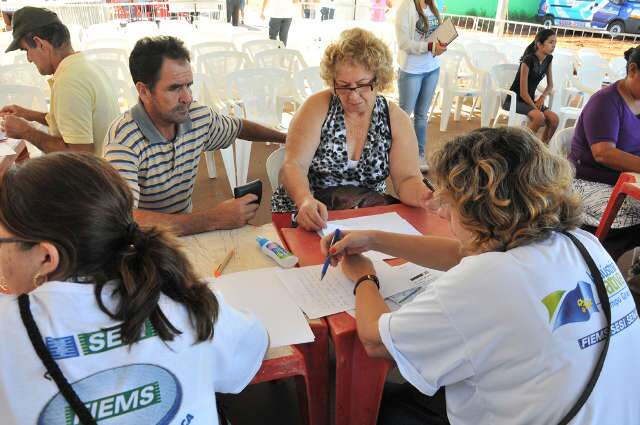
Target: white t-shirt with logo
(425, 62)
(514, 337)
(153, 382)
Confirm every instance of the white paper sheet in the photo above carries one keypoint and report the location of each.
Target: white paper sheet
(334, 294)
(261, 293)
(5, 148)
(388, 222)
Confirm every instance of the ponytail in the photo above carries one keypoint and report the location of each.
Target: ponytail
(541, 37)
(152, 264)
(632, 55)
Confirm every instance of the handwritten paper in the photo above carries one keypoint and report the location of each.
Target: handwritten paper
(388, 222)
(334, 294)
(261, 293)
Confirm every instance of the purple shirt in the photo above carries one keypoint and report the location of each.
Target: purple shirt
(605, 118)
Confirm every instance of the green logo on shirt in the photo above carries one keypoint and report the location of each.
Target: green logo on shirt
(108, 339)
(118, 404)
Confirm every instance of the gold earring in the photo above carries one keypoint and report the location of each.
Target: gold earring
(35, 280)
(4, 287)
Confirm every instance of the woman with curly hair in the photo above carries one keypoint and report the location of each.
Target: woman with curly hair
(512, 329)
(348, 139)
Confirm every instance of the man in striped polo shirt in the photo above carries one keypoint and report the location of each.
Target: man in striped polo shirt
(156, 145)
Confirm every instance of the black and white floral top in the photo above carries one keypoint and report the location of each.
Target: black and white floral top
(331, 167)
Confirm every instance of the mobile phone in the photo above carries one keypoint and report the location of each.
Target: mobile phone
(254, 187)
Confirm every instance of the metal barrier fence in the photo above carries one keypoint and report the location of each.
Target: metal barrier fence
(89, 13)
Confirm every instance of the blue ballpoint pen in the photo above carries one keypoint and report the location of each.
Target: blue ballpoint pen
(325, 266)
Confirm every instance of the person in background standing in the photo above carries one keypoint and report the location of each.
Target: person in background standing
(280, 13)
(233, 12)
(535, 64)
(419, 65)
(379, 8)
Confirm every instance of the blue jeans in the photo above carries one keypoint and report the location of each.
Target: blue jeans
(416, 93)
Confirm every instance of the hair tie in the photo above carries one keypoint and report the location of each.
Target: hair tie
(132, 232)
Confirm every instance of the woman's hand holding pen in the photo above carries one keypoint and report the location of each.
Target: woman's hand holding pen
(347, 251)
(352, 242)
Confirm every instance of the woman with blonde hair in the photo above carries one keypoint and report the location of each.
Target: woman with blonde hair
(108, 321)
(418, 60)
(345, 141)
(513, 329)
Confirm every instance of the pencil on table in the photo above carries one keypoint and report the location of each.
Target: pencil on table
(224, 263)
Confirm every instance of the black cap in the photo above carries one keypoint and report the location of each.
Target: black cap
(28, 19)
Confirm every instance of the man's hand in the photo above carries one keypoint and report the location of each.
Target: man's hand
(312, 214)
(234, 213)
(16, 110)
(15, 127)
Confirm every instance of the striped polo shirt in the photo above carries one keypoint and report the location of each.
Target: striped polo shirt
(161, 172)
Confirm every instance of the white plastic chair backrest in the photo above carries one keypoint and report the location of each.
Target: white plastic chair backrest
(593, 61)
(29, 97)
(560, 143)
(564, 58)
(474, 47)
(290, 60)
(618, 68)
(512, 52)
(258, 89)
(108, 53)
(25, 74)
(200, 49)
(242, 37)
(213, 32)
(20, 57)
(219, 65)
(101, 30)
(127, 94)
(115, 70)
(75, 33)
(308, 81)
(107, 43)
(139, 29)
(274, 164)
(485, 60)
(449, 67)
(175, 28)
(502, 77)
(254, 46)
(590, 78)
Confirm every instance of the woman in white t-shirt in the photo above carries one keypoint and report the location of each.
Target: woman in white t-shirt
(117, 309)
(418, 60)
(514, 327)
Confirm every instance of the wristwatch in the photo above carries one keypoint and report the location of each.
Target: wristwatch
(372, 277)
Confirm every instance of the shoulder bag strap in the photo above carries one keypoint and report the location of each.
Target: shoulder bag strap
(606, 307)
(52, 367)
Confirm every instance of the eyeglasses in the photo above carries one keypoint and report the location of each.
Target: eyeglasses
(359, 89)
(16, 240)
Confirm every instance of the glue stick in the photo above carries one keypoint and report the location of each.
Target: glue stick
(281, 256)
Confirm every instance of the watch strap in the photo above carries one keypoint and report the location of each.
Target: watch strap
(372, 277)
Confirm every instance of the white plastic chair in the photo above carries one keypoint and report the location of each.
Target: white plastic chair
(560, 143)
(107, 53)
(502, 77)
(258, 89)
(274, 164)
(115, 70)
(481, 62)
(25, 74)
(138, 29)
(29, 97)
(307, 82)
(218, 65)
(113, 42)
(255, 46)
(290, 60)
(618, 68)
(587, 82)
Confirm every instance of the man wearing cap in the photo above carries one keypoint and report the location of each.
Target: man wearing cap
(82, 100)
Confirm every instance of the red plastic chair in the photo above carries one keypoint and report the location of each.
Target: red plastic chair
(628, 184)
(309, 364)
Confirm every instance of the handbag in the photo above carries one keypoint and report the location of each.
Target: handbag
(606, 307)
(348, 197)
